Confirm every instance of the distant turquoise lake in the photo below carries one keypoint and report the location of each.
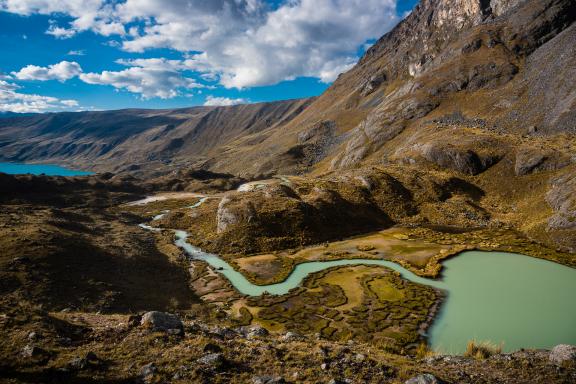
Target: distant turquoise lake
(38, 169)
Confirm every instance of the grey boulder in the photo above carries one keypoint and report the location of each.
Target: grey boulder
(563, 354)
(424, 379)
(160, 321)
(268, 380)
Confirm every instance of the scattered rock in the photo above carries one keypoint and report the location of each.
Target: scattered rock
(563, 354)
(253, 331)
(340, 381)
(424, 379)
(531, 160)
(148, 370)
(462, 160)
(34, 352)
(289, 336)
(268, 380)
(224, 332)
(473, 46)
(562, 199)
(90, 361)
(372, 84)
(214, 360)
(160, 321)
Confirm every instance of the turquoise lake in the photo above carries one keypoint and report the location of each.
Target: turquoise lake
(38, 169)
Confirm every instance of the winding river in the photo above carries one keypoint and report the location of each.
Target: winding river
(509, 299)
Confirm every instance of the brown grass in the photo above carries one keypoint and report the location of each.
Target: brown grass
(482, 349)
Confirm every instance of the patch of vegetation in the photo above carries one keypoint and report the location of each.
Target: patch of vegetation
(481, 349)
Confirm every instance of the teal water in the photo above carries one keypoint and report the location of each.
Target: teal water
(506, 298)
(38, 169)
(509, 299)
(295, 278)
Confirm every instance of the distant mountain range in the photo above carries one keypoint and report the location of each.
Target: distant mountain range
(7, 114)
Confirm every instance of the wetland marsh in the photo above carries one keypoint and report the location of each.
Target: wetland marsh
(501, 297)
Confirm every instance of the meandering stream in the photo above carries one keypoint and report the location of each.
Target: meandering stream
(509, 299)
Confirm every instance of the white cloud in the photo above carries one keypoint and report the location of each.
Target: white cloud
(6, 86)
(95, 15)
(13, 101)
(147, 77)
(242, 43)
(156, 77)
(223, 101)
(59, 32)
(62, 71)
(79, 52)
(246, 44)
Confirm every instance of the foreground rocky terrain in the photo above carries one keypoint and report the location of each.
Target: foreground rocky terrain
(159, 348)
(455, 131)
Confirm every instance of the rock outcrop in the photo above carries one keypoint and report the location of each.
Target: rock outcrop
(160, 321)
(563, 355)
(424, 379)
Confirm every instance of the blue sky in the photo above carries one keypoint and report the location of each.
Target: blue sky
(111, 54)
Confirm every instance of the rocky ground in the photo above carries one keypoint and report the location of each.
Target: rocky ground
(77, 347)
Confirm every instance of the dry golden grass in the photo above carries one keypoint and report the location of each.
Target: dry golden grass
(423, 351)
(482, 349)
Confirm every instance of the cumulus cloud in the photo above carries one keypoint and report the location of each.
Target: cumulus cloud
(59, 32)
(62, 71)
(94, 15)
(246, 44)
(156, 77)
(13, 101)
(242, 43)
(147, 77)
(6, 86)
(212, 101)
